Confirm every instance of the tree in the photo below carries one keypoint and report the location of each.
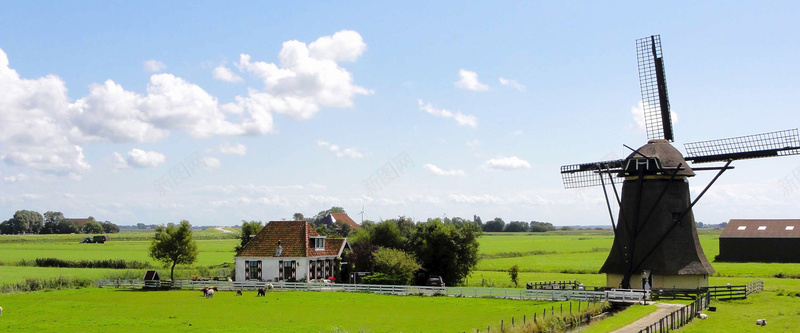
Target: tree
(396, 264)
(26, 221)
(513, 272)
(495, 225)
(92, 227)
(248, 228)
(387, 234)
(477, 220)
(5, 228)
(516, 226)
(141, 226)
(298, 217)
(66, 226)
(446, 249)
(361, 256)
(174, 245)
(51, 220)
(109, 227)
(541, 226)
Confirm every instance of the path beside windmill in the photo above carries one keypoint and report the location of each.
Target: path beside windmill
(663, 310)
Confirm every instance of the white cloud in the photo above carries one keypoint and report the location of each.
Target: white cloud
(440, 172)
(137, 158)
(506, 163)
(211, 163)
(474, 199)
(13, 179)
(519, 132)
(154, 66)
(469, 81)
(347, 152)
(512, 83)
(473, 143)
(32, 131)
(223, 73)
(41, 129)
(232, 149)
(460, 118)
(307, 77)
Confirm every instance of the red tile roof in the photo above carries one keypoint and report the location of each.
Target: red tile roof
(79, 222)
(294, 237)
(344, 218)
(761, 229)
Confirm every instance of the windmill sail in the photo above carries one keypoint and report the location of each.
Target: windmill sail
(780, 143)
(653, 83)
(589, 174)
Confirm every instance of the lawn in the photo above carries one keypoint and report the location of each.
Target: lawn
(781, 312)
(103, 310)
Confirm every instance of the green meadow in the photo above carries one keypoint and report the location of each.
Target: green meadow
(111, 310)
(552, 256)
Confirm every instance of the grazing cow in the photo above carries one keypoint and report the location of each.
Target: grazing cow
(238, 292)
(261, 292)
(210, 293)
(270, 287)
(761, 322)
(702, 316)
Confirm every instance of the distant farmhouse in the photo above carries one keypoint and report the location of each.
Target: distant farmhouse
(760, 241)
(289, 251)
(342, 218)
(79, 222)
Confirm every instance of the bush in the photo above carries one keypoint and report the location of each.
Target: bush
(110, 263)
(36, 284)
(397, 264)
(383, 279)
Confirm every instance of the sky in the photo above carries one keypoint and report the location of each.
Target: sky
(214, 112)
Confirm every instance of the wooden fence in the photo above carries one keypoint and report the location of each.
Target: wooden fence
(616, 295)
(684, 315)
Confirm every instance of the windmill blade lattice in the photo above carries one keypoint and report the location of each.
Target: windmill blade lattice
(780, 143)
(653, 83)
(589, 174)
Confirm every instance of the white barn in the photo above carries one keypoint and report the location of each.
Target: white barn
(288, 251)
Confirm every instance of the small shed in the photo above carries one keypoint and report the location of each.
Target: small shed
(151, 276)
(760, 241)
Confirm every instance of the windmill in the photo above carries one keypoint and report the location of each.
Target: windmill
(655, 234)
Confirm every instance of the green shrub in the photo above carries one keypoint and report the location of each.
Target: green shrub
(36, 284)
(383, 279)
(109, 263)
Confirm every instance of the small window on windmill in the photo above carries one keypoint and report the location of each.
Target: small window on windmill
(762, 228)
(741, 227)
(789, 227)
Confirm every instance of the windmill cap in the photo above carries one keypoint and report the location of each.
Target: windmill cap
(666, 153)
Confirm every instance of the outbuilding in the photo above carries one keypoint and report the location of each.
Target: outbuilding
(760, 241)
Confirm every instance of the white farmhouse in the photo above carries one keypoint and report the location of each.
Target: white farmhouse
(288, 251)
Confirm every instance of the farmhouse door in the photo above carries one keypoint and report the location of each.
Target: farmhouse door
(247, 270)
(259, 270)
(280, 270)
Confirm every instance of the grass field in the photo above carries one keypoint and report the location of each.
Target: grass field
(553, 256)
(110, 310)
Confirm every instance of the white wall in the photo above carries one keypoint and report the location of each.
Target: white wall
(269, 267)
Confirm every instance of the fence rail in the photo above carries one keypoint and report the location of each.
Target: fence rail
(617, 295)
(684, 315)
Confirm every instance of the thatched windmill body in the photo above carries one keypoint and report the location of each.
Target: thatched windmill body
(655, 237)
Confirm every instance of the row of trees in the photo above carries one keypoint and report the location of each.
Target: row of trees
(395, 249)
(31, 222)
(498, 225)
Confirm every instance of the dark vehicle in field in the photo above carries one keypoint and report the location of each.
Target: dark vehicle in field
(435, 281)
(95, 239)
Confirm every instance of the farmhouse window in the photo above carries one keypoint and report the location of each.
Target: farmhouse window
(789, 227)
(763, 227)
(742, 227)
(254, 270)
(288, 270)
(247, 270)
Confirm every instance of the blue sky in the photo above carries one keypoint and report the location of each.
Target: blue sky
(214, 112)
